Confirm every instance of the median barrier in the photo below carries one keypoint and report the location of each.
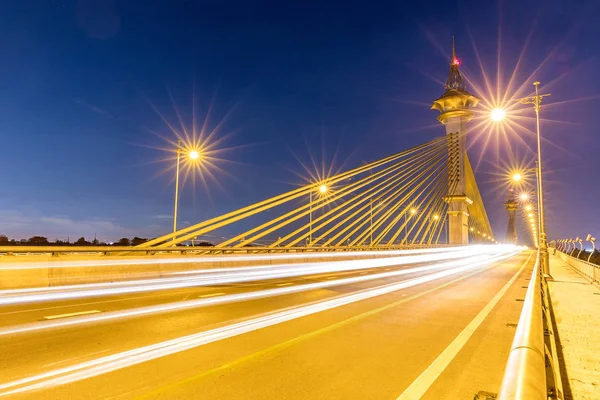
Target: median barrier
(18, 272)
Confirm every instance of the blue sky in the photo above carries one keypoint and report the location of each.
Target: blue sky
(82, 83)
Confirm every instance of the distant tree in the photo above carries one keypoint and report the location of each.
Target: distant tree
(82, 242)
(38, 240)
(137, 240)
(122, 242)
(3, 240)
(204, 243)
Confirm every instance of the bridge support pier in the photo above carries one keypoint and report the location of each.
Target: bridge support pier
(458, 219)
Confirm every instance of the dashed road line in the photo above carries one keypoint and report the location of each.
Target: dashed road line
(72, 314)
(211, 295)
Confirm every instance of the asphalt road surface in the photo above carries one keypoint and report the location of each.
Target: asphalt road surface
(432, 333)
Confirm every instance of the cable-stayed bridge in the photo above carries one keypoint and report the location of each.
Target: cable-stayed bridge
(399, 200)
(381, 282)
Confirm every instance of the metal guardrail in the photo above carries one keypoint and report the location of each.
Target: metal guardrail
(198, 250)
(532, 371)
(588, 269)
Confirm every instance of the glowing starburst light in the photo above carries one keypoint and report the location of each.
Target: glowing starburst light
(497, 114)
(194, 154)
(198, 141)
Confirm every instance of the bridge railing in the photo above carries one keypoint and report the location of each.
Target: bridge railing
(590, 270)
(532, 371)
(10, 251)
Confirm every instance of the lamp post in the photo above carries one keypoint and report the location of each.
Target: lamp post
(370, 222)
(322, 189)
(498, 115)
(592, 240)
(580, 241)
(571, 250)
(192, 155)
(413, 211)
(543, 245)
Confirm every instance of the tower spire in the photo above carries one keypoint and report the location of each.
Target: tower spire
(455, 81)
(453, 52)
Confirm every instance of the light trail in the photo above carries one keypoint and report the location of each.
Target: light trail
(92, 368)
(224, 299)
(210, 259)
(237, 275)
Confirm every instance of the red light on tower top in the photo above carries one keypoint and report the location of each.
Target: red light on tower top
(455, 61)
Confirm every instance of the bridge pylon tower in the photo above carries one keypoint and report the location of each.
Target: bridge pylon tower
(455, 113)
(511, 206)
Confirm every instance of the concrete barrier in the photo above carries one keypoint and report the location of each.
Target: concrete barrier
(44, 271)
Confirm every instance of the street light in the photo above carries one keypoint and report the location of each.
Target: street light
(574, 241)
(592, 240)
(192, 155)
(543, 245)
(412, 211)
(536, 100)
(580, 241)
(517, 177)
(322, 190)
(528, 207)
(524, 196)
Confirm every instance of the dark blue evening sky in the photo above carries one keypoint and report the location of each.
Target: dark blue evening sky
(81, 83)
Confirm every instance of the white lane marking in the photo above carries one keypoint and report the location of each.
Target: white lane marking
(139, 355)
(417, 389)
(285, 284)
(73, 314)
(212, 295)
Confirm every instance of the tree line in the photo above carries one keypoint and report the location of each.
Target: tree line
(584, 254)
(43, 241)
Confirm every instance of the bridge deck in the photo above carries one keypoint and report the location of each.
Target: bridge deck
(576, 304)
(421, 339)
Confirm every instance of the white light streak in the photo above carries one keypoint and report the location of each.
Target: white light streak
(208, 300)
(128, 358)
(211, 259)
(220, 277)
